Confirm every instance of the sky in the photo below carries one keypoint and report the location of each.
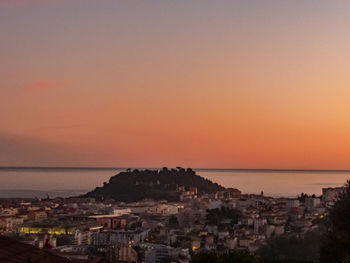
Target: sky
(214, 84)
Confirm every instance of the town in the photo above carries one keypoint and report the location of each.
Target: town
(82, 229)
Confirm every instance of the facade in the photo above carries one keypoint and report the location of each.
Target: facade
(312, 203)
(82, 237)
(156, 253)
(114, 237)
(37, 215)
(127, 254)
(292, 203)
(167, 209)
(55, 227)
(215, 205)
(9, 223)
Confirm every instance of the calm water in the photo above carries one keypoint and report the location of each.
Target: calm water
(65, 182)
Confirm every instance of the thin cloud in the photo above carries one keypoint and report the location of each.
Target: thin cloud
(46, 85)
(59, 127)
(19, 3)
(40, 85)
(25, 150)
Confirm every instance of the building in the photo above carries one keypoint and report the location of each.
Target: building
(111, 221)
(331, 194)
(291, 203)
(10, 211)
(215, 205)
(258, 224)
(156, 253)
(82, 237)
(122, 211)
(193, 190)
(56, 227)
(127, 254)
(279, 230)
(311, 203)
(115, 237)
(37, 215)
(9, 223)
(195, 244)
(209, 242)
(167, 209)
(231, 243)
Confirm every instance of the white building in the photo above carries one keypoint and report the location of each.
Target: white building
(167, 209)
(114, 237)
(121, 211)
(155, 253)
(82, 237)
(312, 203)
(258, 223)
(10, 223)
(231, 243)
(291, 203)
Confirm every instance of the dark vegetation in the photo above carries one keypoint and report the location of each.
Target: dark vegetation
(173, 222)
(330, 243)
(302, 197)
(335, 245)
(284, 249)
(232, 257)
(293, 248)
(214, 216)
(132, 186)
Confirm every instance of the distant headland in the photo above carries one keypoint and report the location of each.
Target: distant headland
(164, 184)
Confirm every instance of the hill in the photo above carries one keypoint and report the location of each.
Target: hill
(135, 185)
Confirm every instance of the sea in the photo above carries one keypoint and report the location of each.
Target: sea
(40, 182)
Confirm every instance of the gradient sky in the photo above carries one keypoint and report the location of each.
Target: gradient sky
(232, 84)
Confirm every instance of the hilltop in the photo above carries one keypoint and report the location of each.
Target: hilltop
(135, 185)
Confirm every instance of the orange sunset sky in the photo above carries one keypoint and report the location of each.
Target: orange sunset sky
(229, 84)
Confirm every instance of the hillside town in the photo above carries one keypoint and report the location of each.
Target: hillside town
(81, 229)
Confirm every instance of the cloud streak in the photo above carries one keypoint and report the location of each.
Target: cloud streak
(19, 3)
(24, 150)
(47, 85)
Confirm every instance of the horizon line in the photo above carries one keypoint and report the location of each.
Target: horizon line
(153, 168)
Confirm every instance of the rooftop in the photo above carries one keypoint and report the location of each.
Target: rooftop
(14, 251)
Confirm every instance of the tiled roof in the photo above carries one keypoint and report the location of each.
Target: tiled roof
(13, 251)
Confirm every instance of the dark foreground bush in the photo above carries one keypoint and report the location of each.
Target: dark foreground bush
(336, 241)
(292, 248)
(232, 257)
